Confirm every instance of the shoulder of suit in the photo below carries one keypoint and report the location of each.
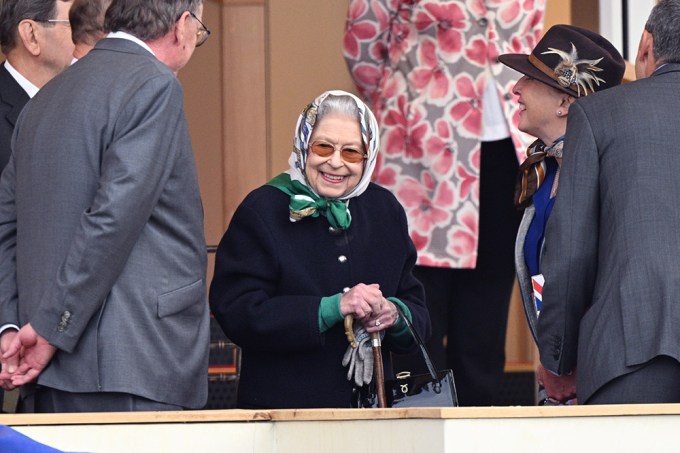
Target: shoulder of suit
(610, 96)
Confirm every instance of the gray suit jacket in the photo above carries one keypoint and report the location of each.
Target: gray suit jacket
(612, 248)
(101, 230)
(12, 100)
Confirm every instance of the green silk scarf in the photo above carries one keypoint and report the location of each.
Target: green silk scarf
(304, 203)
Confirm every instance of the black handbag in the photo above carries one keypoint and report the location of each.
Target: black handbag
(435, 389)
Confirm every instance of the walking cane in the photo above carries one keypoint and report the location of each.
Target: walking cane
(378, 371)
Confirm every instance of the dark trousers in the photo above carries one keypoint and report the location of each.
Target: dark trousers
(48, 400)
(657, 381)
(469, 307)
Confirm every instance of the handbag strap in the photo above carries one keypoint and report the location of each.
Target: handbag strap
(426, 355)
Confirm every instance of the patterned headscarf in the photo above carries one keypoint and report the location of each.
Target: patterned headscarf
(304, 199)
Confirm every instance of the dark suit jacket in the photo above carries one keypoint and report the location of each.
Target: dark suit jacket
(101, 230)
(12, 100)
(270, 276)
(612, 249)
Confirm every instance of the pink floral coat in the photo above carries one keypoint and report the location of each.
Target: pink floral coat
(423, 66)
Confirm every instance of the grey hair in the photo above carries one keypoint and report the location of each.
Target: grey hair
(14, 11)
(343, 105)
(147, 20)
(664, 26)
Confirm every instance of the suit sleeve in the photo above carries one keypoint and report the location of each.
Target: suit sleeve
(135, 167)
(570, 258)
(366, 42)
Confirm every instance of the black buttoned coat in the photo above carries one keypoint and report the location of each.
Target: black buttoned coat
(270, 276)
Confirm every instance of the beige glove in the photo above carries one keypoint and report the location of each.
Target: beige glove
(359, 359)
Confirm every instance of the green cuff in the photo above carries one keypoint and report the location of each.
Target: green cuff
(329, 312)
(399, 332)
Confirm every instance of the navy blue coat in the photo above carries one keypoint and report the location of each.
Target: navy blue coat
(270, 276)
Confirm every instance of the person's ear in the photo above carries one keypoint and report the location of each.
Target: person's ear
(182, 29)
(30, 36)
(645, 63)
(565, 102)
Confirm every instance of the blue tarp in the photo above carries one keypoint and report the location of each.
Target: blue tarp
(12, 441)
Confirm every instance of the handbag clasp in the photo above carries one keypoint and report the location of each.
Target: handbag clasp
(402, 376)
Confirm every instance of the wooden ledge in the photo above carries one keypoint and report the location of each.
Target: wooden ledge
(236, 415)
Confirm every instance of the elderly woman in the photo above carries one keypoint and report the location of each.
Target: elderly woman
(313, 245)
(568, 62)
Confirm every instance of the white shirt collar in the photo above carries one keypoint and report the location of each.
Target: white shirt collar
(129, 37)
(28, 87)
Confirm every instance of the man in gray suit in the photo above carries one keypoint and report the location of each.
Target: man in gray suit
(612, 252)
(102, 253)
(36, 39)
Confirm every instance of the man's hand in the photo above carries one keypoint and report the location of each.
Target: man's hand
(559, 388)
(34, 352)
(10, 365)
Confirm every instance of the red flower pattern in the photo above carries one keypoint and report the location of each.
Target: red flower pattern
(450, 20)
(440, 148)
(463, 236)
(356, 30)
(421, 208)
(430, 76)
(407, 130)
(467, 110)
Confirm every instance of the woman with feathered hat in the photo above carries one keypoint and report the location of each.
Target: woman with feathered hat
(567, 63)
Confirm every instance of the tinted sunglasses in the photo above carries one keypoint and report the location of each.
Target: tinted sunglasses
(348, 154)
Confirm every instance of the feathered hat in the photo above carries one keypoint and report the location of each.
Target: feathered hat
(572, 59)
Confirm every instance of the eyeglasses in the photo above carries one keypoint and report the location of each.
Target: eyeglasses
(65, 22)
(202, 34)
(349, 154)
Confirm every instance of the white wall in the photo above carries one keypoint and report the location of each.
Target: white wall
(611, 22)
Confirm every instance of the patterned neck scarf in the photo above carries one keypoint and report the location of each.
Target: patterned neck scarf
(532, 171)
(304, 201)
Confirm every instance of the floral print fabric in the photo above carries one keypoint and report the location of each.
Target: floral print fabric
(424, 65)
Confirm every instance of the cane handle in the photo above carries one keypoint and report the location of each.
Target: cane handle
(349, 331)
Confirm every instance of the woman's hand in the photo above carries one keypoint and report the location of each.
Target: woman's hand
(383, 319)
(367, 304)
(361, 301)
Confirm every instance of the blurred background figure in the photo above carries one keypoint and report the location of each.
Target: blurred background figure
(87, 24)
(451, 146)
